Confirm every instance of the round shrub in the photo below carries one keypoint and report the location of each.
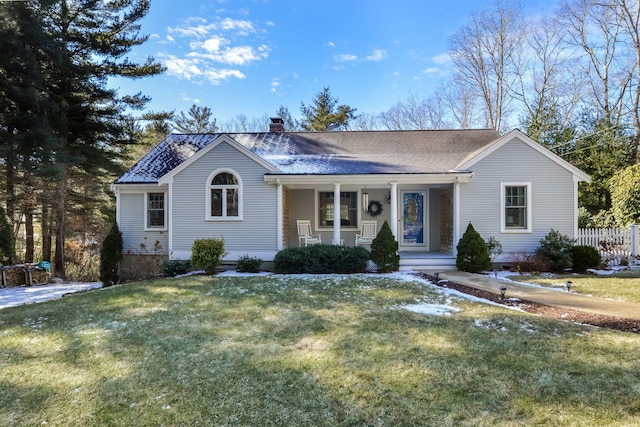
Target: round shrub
(207, 254)
(473, 253)
(585, 257)
(384, 250)
(174, 267)
(247, 264)
(556, 247)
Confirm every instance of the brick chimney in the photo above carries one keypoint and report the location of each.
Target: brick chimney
(276, 125)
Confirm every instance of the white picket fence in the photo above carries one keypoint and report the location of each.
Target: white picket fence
(613, 243)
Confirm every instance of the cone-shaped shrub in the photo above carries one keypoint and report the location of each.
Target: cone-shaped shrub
(473, 253)
(384, 250)
(110, 257)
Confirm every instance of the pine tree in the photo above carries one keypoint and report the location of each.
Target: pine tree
(110, 257)
(323, 114)
(473, 253)
(198, 120)
(384, 250)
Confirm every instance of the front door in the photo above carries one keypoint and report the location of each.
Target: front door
(413, 220)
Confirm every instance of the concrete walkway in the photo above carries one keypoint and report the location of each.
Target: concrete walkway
(547, 296)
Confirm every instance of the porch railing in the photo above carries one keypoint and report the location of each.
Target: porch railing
(611, 242)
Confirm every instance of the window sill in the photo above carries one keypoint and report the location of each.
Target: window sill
(155, 229)
(222, 219)
(516, 231)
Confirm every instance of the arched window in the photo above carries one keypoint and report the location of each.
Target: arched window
(224, 196)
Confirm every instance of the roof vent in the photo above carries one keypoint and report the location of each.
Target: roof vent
(276, 125)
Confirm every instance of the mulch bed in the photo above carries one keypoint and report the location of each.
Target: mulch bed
(577, 316)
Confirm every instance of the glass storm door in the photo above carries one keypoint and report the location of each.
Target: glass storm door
(413, 218)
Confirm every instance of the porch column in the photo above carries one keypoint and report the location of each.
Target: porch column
(336, 214)
(279, 216)
(394, 210)
(456, 216)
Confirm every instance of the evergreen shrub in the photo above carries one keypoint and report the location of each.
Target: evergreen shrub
(247, 264)
(207, 254)
(473, 252)
(321, 259)
(110, 257)
(556, 247)
(174, 267)
(585, 257)
(384, 250)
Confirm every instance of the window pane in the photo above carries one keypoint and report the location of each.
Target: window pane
(232, 202)
(224, 179)
(216, 202)
(348, 208)
(516, 207)
(156, 218)
(156, 200)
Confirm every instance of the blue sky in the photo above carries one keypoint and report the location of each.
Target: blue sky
(251, 56)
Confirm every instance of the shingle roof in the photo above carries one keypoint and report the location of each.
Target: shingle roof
(328, 153)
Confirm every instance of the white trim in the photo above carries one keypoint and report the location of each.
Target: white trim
(474, 158)
(337, 217)
(279, 217)
(147, 227)
(224, 217)
(393, 217)
(306, 181)
(456, 217)
(118, 208)
(169, 221)
(222, 138)
(576, 208)
(529, 228)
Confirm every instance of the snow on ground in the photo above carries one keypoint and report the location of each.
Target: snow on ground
(12, 297)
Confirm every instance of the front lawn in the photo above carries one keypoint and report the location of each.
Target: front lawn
(623, 285)
(288, 350)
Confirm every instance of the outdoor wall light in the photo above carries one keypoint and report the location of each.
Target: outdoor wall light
(503, 291)
(365, 201)
(568, 284)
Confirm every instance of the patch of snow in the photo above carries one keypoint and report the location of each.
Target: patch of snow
(13, 297)
(434, 309)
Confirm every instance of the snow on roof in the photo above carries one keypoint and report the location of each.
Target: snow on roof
(326, 153)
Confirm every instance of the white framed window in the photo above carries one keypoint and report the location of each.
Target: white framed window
(348, 208)
(224, 196)
(155, 208)
(515, 207)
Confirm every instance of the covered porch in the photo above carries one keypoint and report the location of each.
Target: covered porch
(421, 209)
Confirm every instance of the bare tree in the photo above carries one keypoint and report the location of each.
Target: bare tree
(629, 12)
(415, 113)
(596, 27)
(485, 54)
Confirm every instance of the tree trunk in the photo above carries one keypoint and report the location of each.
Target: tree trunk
(28, 234)
(61, 196)
(46, 232)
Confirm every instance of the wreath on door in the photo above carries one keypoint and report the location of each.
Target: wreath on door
(374, 208)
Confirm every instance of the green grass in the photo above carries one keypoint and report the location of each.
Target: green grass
(623, 286)
(301, 351)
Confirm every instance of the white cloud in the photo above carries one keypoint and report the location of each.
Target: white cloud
(346, 57)
(215, 49)
(331, 44)
(377, 55)
(441, 59)
(240, 26)
(432, 70)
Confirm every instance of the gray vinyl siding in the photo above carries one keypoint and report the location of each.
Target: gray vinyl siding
(132, 226)
(552, 196)
(255, 234)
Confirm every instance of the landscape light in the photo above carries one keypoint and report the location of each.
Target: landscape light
(503, 291)
(568, 284)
